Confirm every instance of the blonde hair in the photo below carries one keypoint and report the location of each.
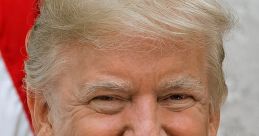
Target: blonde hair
(103, 23)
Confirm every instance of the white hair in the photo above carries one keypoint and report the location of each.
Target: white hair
(104, 23)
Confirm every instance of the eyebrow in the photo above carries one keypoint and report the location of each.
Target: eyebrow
(185, 82)
(115, 84)
(86, 89)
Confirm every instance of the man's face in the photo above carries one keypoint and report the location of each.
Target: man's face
(133, 92)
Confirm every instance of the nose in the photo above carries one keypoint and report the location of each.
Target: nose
(144, 120)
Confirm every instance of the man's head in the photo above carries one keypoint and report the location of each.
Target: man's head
(123, 67)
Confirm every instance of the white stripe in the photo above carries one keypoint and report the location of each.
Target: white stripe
(13, 121)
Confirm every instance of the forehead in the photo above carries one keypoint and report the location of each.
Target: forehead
(139, 71)
(143, 58)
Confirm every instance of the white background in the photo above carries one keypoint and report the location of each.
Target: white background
(240, 115)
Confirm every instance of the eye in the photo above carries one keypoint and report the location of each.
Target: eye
(177, 102)
(107, 104)
(178, 97)
(104, 98)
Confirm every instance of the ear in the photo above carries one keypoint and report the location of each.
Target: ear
(40, 114)
(214, 121)
(27, 36)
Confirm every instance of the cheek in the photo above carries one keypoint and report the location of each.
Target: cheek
(95, 124)
(186, 123)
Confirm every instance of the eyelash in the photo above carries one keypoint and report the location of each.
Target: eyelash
(113, 103)
(109, 98)
(176, 97)
(104, 98)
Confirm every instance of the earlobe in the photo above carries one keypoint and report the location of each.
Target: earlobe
(27, 37)
(39, 112)
(214, 123)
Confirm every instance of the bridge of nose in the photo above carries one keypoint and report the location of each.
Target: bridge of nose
(143, 118)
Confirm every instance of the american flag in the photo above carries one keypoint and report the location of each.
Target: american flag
(16, 18)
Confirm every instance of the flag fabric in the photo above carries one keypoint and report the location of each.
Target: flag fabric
(16, 18)
(13, 120)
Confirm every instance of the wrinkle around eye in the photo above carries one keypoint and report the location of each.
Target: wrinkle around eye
(177, 102)
(107, 104)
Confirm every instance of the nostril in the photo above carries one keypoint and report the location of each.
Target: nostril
(147, 131)
(127, 132)
(163, 133)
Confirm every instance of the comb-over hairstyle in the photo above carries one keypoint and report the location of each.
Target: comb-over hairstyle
(114, 23)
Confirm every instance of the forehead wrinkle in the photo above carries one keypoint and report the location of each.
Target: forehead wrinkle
(185, 82)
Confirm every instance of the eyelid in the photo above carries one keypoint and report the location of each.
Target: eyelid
(171, 94)
(116, 97)
(107, 106)
(177, 105)
(115, 93)
(196, 94)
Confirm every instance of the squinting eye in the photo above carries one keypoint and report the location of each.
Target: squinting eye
(107, 104)
(177, 102)
(178, 97)
(104, 98)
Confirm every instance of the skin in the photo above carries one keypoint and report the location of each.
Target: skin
(132, 92)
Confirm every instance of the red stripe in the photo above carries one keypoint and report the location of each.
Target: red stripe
(16, 18)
